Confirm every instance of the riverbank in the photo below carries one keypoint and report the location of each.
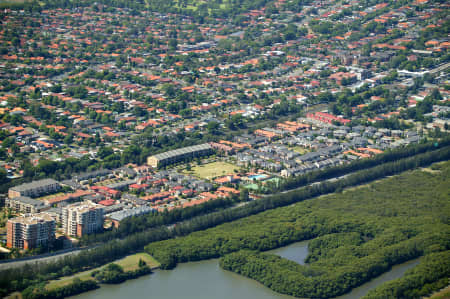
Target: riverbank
(120, 271)
(357, 236)
(289, 195)
(129, 263)
(205, 280)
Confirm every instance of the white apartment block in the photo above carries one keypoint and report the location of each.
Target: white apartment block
(82, 218)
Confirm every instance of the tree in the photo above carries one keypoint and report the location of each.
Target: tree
(436, 95)
(104, 118)
(122, 125)
(169, 90)
(243, 196)
(15, 148)
(103, 152)
(3, 176)
(47, 166)
(173, 44)
(213, 127)
(235, 122)
(68, 139)
(142, 263)
(66, 271)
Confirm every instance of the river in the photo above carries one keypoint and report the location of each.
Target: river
(206, 280)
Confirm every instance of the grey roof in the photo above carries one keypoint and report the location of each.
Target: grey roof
(71, 183)
(113, 208)
(129, 196)
(28, 200)
(57, 210)
(92, 174)
(309, 156)
(127, 170)
(94, 197)
(182, 151)
(121, 184)
(120, 215)
(34, 184)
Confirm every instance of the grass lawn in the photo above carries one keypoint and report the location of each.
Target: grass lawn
(252, 187)
(51, 196)
(300, 150)
(131, 262)
(128, 263)
(442, 294)
(430, 170)
(276, 180)
(107, 182)
(212, 170)
(53, 284)
(15, 295)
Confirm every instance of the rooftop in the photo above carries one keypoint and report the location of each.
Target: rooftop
(120, 215)
(28, 200)
(34, 184)
(32, 218)
(182, 151)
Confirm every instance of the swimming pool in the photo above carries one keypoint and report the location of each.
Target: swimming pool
(257, 176)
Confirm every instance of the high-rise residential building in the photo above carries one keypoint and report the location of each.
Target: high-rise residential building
(30, 231)
(82, 219)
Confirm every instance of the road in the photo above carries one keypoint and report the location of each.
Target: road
(55, 256)
(38, 259)
(440, 68)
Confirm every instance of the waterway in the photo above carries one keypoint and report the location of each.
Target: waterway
(206, 280)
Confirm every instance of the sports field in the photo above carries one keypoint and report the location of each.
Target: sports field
(212, 170)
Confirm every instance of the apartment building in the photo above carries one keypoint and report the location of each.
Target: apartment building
(34, 189)
(82, 219)
(181, 154)
(30, 231)
(25, 204)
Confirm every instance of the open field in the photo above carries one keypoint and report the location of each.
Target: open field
(300, 150)
(107, 182)
(15, 295)
(51, 196)
(131, 262)
(53, 284)
(212, 170)
(128, 263)
(442, 294)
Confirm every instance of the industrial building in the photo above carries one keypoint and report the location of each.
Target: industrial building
(30, 231)
(181, 154)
